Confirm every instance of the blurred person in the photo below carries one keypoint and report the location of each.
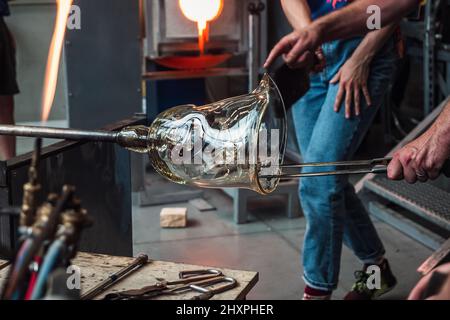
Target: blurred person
(8, 83)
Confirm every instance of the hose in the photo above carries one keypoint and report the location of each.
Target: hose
(38, 239)
(22, 257)
(33, 278)
(50, 260)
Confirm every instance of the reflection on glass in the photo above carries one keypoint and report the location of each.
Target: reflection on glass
(226, 144)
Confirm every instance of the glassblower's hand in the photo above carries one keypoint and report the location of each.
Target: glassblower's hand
(422, 159)
(297, 48)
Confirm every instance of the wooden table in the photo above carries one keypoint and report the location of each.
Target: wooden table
(95, 268)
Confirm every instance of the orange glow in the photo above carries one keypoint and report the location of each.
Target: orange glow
(201, 12)
(54, 57)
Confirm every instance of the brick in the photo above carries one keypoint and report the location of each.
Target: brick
(173, 218)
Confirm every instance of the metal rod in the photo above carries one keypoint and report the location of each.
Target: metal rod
(141, 260)
(373, 162)
(58, 133)
(380, 170)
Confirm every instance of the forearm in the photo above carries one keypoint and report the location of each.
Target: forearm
(373, 42)
(352, 20)
(441, 127)
(297, 12)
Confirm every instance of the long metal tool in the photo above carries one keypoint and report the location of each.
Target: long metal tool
(140, 261)
(58, 133)
(351, 167)
(375, 166)
(131, 138)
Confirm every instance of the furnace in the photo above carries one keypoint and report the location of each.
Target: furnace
(236, 29)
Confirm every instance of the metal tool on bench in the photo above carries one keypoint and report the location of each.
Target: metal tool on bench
(200, 281)
(162, 286)
(140, 261)
(374, 166)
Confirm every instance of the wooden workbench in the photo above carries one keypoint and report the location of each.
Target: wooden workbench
(95, 268)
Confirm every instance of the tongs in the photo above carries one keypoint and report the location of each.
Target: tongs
(376, 166)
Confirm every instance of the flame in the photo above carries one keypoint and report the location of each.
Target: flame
(201, 12)
(54, 57)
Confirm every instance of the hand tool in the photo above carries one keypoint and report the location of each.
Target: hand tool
(197, 273)
(186, 277)
(140, 261)
(207, 292)
(375, 166)
(176, 287)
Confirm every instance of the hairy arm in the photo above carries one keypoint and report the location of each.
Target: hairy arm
(423, 158)
(373, 42)
(354, 74)
(344, 23)
(297, 12)
(352, 19)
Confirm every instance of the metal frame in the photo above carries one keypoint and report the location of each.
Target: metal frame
(405, 226)
(429, 56)
(433, 54)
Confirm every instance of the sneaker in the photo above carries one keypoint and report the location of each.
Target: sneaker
(360, 291)
(314, 294)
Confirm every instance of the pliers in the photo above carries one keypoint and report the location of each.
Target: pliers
(195, 280)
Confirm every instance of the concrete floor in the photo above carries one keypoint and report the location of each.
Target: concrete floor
(270, 244)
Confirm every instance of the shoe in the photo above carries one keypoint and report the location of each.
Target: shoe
(361, 290)
(315, 294)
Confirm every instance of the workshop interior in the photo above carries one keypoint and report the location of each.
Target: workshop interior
(128, 114)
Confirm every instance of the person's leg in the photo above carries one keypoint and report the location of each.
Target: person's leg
(324, 200)
(7, 143)
(8, 88)
(359, 233)
(306, 111)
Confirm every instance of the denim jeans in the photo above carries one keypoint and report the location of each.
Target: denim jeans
(334, 213)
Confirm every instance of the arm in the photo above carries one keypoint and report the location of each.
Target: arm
(344, 23)
(373, 42)
(353, 75)
(297, 12)
(423, 158)
(352, 20)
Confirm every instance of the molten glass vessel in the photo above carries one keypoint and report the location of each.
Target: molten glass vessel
(234, 143)
(226, 144)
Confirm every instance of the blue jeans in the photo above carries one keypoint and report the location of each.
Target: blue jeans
(334, 213)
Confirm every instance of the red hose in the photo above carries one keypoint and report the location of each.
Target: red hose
(33, 278)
